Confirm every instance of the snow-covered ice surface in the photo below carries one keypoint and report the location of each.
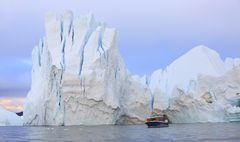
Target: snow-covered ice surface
(79, 78)
(8, 118)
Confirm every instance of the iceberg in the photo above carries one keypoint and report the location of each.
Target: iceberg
(183, 72)
(195, 87)
(9, 118)
(80, 78)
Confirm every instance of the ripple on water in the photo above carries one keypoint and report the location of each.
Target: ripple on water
(176, 132)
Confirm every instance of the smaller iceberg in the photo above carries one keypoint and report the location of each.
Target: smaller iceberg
(8, 118)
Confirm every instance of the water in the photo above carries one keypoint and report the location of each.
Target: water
(206, 132)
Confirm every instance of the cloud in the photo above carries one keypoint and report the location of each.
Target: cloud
(15, 73)
(15, 78)
(14, 104)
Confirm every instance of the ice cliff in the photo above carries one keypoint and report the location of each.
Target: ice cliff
(79, 78)
(213, 99)
(9, 118)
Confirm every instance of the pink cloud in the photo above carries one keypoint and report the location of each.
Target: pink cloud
(14, 104)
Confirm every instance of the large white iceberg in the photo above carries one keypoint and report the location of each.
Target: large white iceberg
(8, 118)
(79, 78)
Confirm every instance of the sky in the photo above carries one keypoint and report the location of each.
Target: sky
(151, 33)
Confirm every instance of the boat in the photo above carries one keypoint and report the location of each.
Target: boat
(157, 121)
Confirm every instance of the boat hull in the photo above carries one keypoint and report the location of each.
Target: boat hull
(156, 124)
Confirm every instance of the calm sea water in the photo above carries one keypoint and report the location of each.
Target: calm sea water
(206, 132)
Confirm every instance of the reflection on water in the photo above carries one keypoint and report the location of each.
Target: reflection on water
(176, 132)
